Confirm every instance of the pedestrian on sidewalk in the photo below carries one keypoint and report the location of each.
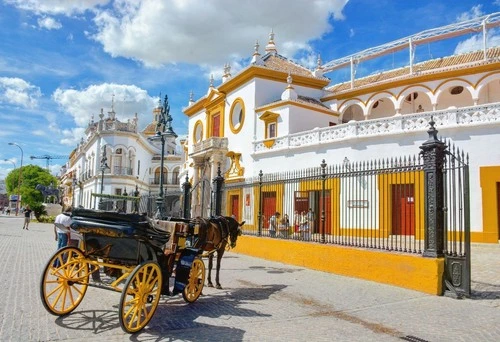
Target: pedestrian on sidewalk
(27, 217)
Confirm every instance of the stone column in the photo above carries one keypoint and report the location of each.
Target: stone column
(196, 193)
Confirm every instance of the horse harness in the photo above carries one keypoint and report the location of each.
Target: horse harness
(221, 222)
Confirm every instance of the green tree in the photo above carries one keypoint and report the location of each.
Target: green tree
(31, 176)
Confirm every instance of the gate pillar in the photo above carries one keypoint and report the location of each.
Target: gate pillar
(433, 151)
(186, 186)
(218, 182)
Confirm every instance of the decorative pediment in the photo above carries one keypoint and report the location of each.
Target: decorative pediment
(268, 116)
(213, 94)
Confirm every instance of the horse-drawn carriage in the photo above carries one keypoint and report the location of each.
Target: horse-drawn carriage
(138, 256)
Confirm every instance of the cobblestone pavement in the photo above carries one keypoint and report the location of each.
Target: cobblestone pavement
(261, 301)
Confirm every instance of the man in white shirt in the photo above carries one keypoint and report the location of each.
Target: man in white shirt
(62, 224)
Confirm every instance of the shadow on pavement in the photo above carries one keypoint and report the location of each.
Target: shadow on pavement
(177, 319)
(97, 321)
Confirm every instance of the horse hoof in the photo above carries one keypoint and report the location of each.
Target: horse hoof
(210, 285)
(218, 287)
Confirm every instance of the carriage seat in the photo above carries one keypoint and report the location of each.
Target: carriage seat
(109, 223)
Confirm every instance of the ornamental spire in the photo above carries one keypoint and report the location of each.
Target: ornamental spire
(256, 53)
(271, 47)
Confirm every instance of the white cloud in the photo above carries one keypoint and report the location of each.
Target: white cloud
(71, 137)
(475, 42)
(16, 91)
(84, 104)
(49, 23)
(64, 7)
(474, 12)
(195, 31)
(200, 31)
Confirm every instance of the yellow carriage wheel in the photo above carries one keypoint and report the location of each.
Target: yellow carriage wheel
(195, 282)
(140, 296)
(64, 281)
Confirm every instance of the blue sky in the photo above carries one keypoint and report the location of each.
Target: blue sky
(61, 61)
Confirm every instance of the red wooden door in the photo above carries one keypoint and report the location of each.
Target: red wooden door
(268, 207)
(328, 214)
(216, 125)
(235, 206)
(403, 209)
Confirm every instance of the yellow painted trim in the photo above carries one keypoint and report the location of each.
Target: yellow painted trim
(233, 192)
(195, 107)
(269, 118)
(231, 113)
(354, 99)
(219, 109)
(280, 104)
(198, 123)
(380, 92)
(235, 169)
(414, 86)
(348, 94)
(454, 80)
(279, 189)
(269, 143)
(385, 182)
(332, 187)
(254, 72)
(486, 76)
(408, 271)
(488, 177)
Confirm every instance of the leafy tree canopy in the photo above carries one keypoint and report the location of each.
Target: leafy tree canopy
(31, 176)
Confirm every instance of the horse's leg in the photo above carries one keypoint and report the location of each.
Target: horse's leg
(210, 264)
(220, 253)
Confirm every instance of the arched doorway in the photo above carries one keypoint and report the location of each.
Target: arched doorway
(353, 112)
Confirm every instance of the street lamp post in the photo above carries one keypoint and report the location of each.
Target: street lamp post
(73, 193)
(10, 161)
(163, 130)
(104, 166)
(19, 177)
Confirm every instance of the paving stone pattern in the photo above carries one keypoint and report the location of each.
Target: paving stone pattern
(261, 301)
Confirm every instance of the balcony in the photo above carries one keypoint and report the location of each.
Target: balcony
(210, 146)
(156, 181)
(122, 171)
(448, 118)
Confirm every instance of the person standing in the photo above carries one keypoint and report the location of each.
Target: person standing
(27, 217)
(62, 225)
(273, 224)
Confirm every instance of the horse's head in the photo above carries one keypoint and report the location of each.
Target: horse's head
(234, 230)
(39, 187)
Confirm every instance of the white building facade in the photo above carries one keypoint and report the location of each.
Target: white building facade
(117, 159)
(275, 115)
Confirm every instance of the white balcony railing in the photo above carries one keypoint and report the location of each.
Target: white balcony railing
(214, 143)
(466, 116)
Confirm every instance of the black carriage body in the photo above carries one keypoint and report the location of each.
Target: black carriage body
(120, 238)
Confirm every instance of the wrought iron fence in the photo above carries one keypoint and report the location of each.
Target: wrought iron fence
(415, 204)
(376, 204)
(457, 222)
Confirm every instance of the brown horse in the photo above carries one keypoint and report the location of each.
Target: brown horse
(214, 235)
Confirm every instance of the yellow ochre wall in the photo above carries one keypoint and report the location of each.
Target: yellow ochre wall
(489, 176)
(408, 271)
